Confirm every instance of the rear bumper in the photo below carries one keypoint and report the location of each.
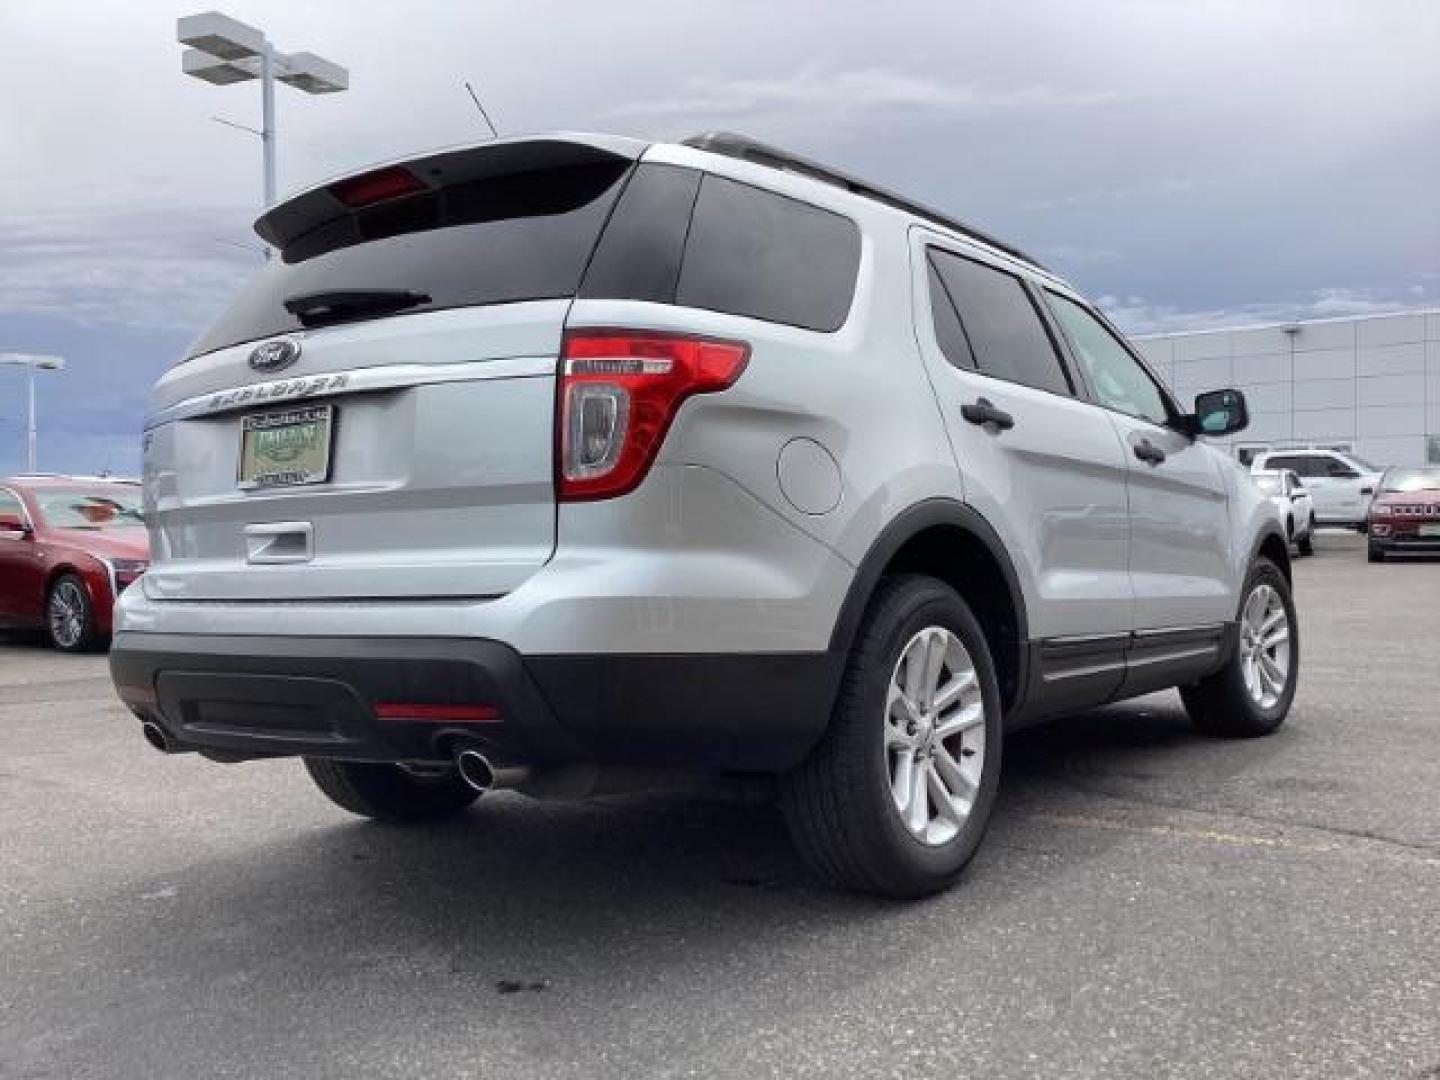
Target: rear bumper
(422, 699)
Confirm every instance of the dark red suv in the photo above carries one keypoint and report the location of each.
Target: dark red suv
(1405, 513)
(68, 548)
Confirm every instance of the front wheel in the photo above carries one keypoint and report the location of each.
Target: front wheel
(70, 617)
(1375, 553)
(1251, 694)
(1306, 544)
(393, 793)
(896, 796)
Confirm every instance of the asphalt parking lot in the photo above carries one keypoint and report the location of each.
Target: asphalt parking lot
(1148, 903)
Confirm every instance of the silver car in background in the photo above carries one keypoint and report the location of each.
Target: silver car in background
(551, 461)
(1293, 501)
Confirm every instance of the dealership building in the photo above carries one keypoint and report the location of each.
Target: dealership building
(1370, 385)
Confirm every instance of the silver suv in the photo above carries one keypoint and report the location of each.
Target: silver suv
(552, 460)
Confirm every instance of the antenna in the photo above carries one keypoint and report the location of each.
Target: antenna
(486, 116)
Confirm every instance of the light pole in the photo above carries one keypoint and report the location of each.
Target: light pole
(34, 363)
(222, 50)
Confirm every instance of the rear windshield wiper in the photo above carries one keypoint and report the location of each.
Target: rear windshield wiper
(340, 305)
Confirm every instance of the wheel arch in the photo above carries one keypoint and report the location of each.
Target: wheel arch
(954, 543)
(1271, 544)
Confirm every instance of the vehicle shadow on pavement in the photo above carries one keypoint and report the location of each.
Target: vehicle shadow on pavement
(522, 897)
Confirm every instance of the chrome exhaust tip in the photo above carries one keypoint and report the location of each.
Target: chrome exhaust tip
(475, 769)
(155, 736)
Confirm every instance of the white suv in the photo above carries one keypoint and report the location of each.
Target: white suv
(538, 462)
(1340, 484)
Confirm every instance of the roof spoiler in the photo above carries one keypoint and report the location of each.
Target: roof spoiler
(338, 199)
(748, 149)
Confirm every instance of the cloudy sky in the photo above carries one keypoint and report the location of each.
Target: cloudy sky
(1190, 164)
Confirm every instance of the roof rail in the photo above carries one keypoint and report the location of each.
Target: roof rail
(748, 149)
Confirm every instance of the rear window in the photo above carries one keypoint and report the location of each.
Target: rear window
(496, 240)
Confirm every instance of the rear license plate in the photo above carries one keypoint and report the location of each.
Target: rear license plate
(1430, 530)
(283, 449)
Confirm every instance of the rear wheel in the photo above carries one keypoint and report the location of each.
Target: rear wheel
(896, 796)
(70, 617)
(1306, 544)
(393, 793)
(1251, 694)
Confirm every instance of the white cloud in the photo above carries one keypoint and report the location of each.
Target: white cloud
(873, 88)
(149, 268)
(1136, 316)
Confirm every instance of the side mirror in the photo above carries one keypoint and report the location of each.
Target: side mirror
(1219, 412)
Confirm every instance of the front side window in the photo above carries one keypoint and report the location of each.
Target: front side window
(1116, 378)
(1001, 324)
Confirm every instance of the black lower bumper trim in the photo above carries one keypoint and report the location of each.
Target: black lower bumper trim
(281, 695)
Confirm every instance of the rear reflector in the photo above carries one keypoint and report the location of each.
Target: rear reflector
(377, 186)
(457, 714)
(619, 390)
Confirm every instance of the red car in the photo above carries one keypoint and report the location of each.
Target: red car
(68, 548)
(1405, 513)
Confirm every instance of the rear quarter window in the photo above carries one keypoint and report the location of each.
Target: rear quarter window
(765, 256)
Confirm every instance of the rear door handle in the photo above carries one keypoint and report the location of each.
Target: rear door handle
(983, 411)
(1148, 452)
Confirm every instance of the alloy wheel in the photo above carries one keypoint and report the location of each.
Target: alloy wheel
(934, 735)
(1265, 646)
(67, 614)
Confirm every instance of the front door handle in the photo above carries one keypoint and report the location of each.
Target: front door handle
(1148, 452)
(983, 411)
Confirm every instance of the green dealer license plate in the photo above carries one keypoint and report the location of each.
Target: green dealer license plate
(282, 449)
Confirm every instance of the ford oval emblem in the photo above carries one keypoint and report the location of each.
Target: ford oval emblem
(275, 355)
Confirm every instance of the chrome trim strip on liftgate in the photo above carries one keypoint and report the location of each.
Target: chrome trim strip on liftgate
(359, 380)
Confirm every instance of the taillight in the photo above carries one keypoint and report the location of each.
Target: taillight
(618, 391)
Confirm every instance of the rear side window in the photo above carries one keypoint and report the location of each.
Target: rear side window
(1001, 324)
(500, 239)
(639, 256)
(765, 256)
(949, 334)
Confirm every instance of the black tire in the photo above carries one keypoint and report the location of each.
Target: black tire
(389, 793)
(1374, 552)
(68, 593)
(1306, 544)
(838, 802)
(1220, 704)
